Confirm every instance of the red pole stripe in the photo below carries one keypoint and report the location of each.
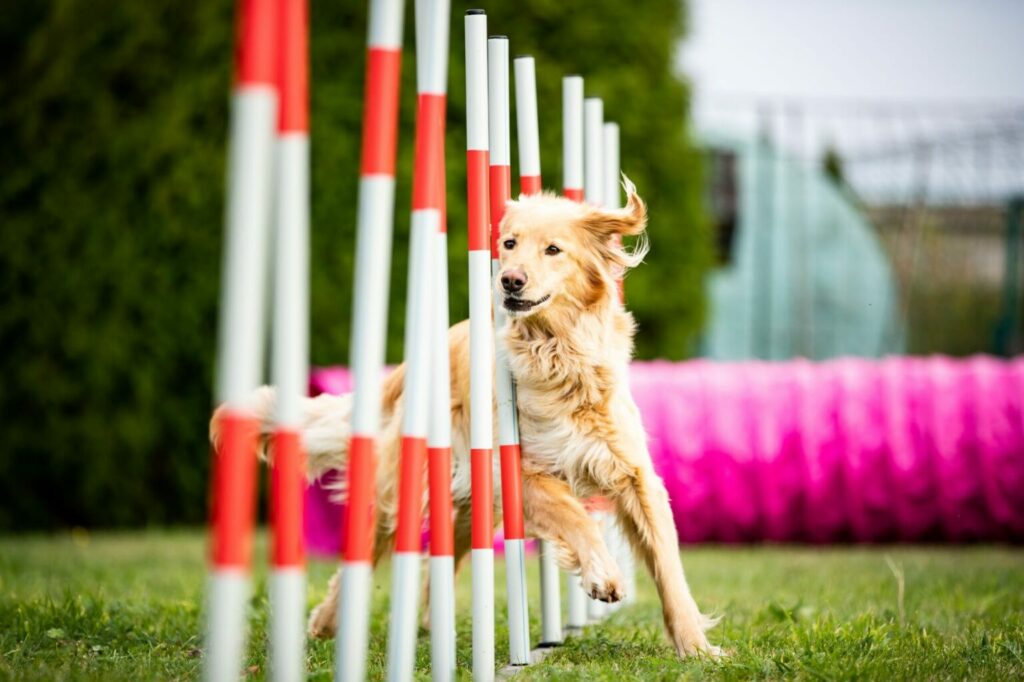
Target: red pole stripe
(255, 56)
(482, 502)
(444, 191)
(511, 492)
(359, 527)
(476, 196)
(441, 530)
(286, 497)
(573, 193)
(500, 190)
(427, 184)
(293, 67)
(410, 494)
(380, 111)
(234, 492)
(529, 184)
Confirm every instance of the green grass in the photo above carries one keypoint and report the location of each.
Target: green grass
(128, 606)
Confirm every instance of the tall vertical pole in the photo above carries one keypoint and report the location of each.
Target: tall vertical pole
(290, 359)
(442, 659)
(613, 199)
(241, 336)
(508, 427)
(572, 137)
(527, 126)
(481, 346)
(593, 190)
(369, 327)
(528, 135)
(431, 81)
(572, 187)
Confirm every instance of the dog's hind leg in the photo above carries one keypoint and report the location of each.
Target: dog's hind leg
(645, 516)
(553, 513)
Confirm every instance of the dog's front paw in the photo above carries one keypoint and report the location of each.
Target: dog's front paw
(606, 588)
(322, 622)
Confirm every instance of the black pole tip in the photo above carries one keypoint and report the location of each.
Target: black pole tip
(572, 75)
(497, 37)
(524, 56)
(475, 11)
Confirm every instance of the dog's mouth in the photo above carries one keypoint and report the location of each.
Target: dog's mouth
(514, 304)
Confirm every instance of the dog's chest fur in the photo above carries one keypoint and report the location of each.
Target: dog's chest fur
(572, 391)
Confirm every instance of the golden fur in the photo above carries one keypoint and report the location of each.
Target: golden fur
(568, 341)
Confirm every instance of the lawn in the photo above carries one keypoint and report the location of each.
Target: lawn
(128, 606)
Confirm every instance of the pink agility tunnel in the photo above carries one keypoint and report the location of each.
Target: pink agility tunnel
(849, 450)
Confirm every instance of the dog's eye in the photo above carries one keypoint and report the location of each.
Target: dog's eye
(510, 244)
(552, 250)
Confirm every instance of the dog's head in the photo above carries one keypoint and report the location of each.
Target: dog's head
(562, 256)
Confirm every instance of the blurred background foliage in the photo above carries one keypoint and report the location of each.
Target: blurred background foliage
(111, 201)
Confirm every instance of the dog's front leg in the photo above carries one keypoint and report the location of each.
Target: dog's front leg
(646, 517)
(553, 513)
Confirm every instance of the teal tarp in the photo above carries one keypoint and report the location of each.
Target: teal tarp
(806, 276)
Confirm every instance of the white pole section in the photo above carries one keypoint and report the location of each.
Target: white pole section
(572, 137)
(290, 359)
(527, 127)
(593, 157)
(375, 224)
(508, 427)
(528, 135)
(241, 336)
(481, 347)
(612, 190)
(427, 205)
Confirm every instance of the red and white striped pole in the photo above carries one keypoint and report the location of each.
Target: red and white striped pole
(431, 80)
(241, 336)
(481, 346)
(528, 135)
(572, 137)
(369, 327)
(439, 468)
(593, 190)
(290, 352)
(572, 187)
(508, 426)
(527, 126)
(439, 438)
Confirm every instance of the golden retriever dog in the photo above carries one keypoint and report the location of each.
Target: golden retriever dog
(568, 342)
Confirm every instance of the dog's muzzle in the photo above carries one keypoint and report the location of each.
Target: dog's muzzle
(521, 305)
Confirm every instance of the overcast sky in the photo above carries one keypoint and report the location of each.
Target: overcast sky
(874, 49)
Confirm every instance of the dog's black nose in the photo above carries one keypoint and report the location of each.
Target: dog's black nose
(513, 281)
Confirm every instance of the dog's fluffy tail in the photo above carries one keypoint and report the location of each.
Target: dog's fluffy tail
(325, 432)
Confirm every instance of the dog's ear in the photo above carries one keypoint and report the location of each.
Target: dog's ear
(628, 221)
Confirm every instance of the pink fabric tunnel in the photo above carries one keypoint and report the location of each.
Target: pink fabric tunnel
(849, 450)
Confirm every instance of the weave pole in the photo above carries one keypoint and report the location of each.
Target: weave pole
(431, 73)
(572, 137)
(241, 336)
(442, 661)
(528, 136)
(593, 191)
(290, 348)
(481, 346)
(508, 421)
(375, 223)
(572, 187)
(617, 542)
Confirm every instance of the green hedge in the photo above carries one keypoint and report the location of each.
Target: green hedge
(111, 202)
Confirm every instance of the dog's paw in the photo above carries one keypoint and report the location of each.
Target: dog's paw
(322, 623)
(609, 590)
